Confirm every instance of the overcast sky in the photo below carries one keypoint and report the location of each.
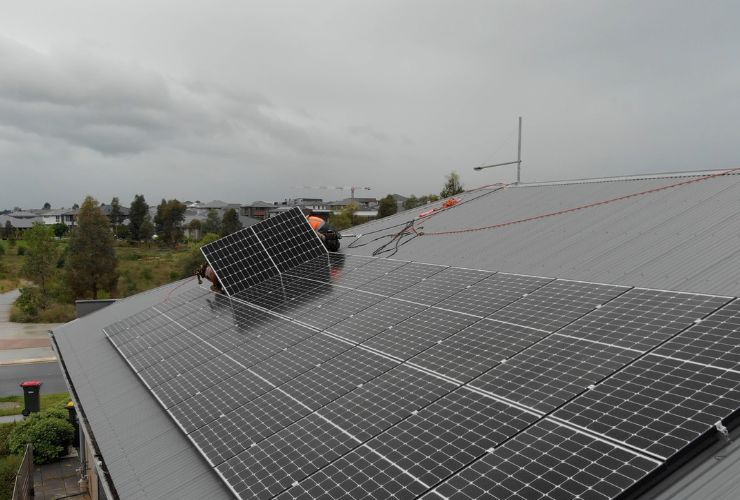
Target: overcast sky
(243, 100)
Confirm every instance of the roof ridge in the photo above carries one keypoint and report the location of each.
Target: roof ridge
(621, 178)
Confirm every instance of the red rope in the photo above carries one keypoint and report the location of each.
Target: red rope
(574, 209)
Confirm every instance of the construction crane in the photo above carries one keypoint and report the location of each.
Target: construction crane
(342, 188)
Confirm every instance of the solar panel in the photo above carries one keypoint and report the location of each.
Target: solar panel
(475, 349)
(336, 307)
(329, 268)
(368, 272)
(491, 294)
(240, 260)
(289, 239)
(441, 285)
(375, 319)
(557, 304)
(361, 473)
(641, 319)
(656, 404)
(550, 372)
(400, 278)
(713, 342)
(274, 464)
(550, 461)
(450, 433)
(419, 332)
(383, 402)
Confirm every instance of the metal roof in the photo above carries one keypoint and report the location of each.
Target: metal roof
(146, 454)
(685, 238)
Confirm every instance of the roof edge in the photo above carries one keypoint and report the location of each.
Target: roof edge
(621, 178)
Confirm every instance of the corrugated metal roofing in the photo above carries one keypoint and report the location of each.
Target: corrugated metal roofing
(146, 454)
(685, 238)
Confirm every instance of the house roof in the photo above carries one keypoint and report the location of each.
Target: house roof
(18, 223)
(683, 238)
(655, 232)
(146, 454)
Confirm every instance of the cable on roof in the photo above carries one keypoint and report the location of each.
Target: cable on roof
(575, 209)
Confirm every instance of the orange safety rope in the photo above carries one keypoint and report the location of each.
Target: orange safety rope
(574, 209)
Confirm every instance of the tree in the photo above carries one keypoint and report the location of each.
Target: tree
(75, 206)
(116, 218)
(168, 221)
(212, 223)
(41, 254)
(411, 202)
(138, 213)
(60, 229)
(91, 264)
(8, 230)
(452, 186)
(387, 206)
(230, 223)
(47, 206)
(195, 227)
(193, 259)
(343, 219)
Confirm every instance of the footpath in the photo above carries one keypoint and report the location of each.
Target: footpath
(23, 343)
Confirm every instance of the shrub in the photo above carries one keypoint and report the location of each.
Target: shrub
(146, 273)
(9, 466)
(30, 301)
(5, 431)
(49, 431)
(21, 250)
(2, 249)
(57, 313)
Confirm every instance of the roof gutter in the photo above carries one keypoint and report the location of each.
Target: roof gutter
(99, 461)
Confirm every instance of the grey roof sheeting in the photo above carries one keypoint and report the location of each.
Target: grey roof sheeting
(147, 455)
(685, 238)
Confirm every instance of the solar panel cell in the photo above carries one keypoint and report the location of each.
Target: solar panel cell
(400, 278)
(441, 285)
(375, 319)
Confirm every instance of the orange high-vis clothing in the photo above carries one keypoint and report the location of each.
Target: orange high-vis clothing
(316, 222)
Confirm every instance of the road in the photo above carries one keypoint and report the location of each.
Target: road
(48, 373)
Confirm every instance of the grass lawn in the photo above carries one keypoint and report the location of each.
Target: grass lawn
(47, 400)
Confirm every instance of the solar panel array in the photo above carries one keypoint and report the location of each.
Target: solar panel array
(336, 376)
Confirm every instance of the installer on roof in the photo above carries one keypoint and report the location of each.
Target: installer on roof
(328, 236)
(205, 271)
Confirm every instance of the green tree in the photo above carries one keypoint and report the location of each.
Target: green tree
(168, 221)
(230, 223)
(343, 219)
(138, 213)
(41, 255)
(411, 202)
(60, 229)
(91, 263)
(75, 206)
(387, 206)
(195, 227)
(8, 230)
(212, 223)
(47, 206)
(116, 217)
(192, 260)
(452, 186)
(146, 231)
(49, 431)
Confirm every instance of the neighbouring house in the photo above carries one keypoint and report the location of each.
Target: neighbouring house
(19, 224)
(561, 339)
(66, 216)
(257, 210)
